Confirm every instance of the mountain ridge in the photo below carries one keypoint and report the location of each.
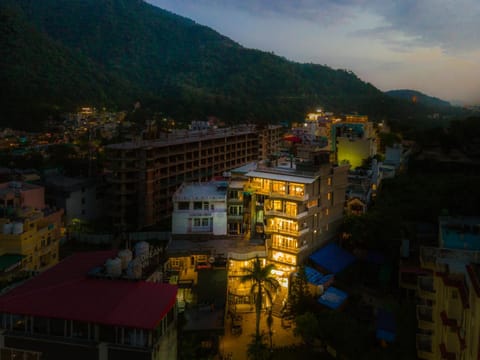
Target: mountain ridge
(418, 96)
(187, 70)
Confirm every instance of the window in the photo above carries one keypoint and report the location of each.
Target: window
(291, 208)
(205, 222)
(183, 205)
(196, 222)
(205, 206)
(278, 186)
(233, 210)
(197, 205)
(83, 200)
(296, 189)
(329, 181)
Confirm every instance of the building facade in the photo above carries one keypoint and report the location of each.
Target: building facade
(200, 208)
(295, 210)
(449, 293)
(79, 197)
(29, 230)
(69, 313)
(145, 175)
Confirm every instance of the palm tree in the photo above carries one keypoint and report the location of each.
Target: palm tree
(262, 282)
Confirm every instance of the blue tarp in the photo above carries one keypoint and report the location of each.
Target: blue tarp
(386, 327)
(332, 258)
(316, 277)
(332, 298)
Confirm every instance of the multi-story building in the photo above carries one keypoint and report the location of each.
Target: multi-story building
(296, 208)
(354, 140)
(269, 140)
(79, 197)
(30, 230)
(200, 208)
(144, 175)
(73, 312)
(449, 292)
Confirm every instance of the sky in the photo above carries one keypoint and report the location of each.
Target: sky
(428, 45)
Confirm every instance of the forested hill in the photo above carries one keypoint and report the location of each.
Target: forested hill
(418, 97)
(60, 54)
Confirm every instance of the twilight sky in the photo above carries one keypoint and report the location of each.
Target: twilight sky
(428, 45)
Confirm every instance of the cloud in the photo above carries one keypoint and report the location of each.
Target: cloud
(450, 24)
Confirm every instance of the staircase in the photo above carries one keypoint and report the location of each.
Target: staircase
(279, 303)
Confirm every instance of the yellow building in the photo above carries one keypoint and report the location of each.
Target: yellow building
(29, 232)
(448, 312)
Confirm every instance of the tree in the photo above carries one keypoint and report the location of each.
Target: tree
(262, 283)
(307, 327)
(299, 295)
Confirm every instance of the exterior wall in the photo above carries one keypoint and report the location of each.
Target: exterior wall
(299, 217)
(447, 314)
(38, 241)
(23, 195)
(97, 342)
(80, 203)
(202, 214)
(355, 151)
(145, 176)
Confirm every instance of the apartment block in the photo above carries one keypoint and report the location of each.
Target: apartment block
(30, 232)
(449, 293)
(144, 175)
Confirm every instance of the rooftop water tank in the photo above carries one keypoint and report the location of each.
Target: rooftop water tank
(7, 228)
(126, 256)
(17, 228)
(141, 248)
(113, 267)
(134, 269)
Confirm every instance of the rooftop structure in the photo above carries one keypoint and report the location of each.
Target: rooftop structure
(133, 315)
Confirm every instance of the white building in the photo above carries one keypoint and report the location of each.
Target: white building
(200, 208)
(78, 196)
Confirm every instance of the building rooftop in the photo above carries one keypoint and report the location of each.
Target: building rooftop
(10, 186)
(461, 233)
(184, 136)
(66, 183)
(282, 177)
(66, 292)
(214, 190)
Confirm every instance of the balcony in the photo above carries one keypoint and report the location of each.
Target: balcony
(425, 287)
(286, 215)
(424, 347)
(286, 231)
(289, 249)
(425, 317)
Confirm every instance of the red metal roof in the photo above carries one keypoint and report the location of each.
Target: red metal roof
(65, 292)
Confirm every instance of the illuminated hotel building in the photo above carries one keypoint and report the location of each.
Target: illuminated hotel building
(296, 208)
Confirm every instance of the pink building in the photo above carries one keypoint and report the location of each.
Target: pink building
(15, 194)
